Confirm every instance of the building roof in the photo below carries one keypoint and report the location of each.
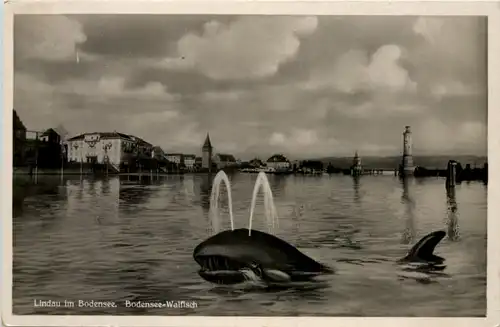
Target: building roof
(277, 158)
(139, 140)
(49, 131)
(112, 135)
(157, 148)
(189, 156)
(103, 135)
(175, 154)
(226, 157)
(207, 143)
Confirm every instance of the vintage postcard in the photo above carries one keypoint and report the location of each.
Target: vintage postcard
(258, 164)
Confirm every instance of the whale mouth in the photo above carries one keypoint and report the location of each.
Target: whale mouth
(213, 263)
(220, 269)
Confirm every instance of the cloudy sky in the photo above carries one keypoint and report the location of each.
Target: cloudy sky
(301, 86)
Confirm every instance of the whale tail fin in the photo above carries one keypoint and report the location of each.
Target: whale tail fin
(424, 249)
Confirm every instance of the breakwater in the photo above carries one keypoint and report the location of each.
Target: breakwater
(460, 174)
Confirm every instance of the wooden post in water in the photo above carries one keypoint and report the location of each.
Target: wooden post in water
(62, 161)
(36, 154)
(62, 169)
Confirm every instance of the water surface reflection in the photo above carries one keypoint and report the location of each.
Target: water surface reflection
(132, 238)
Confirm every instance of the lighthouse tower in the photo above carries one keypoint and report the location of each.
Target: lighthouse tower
(407, 164)
(206, 159)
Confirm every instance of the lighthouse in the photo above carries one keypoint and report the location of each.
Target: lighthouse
(407, 164)
(356, 168)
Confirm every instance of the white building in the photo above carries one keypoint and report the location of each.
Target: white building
(113, 148)
(176, 158)
(278, 162)
(189, 161)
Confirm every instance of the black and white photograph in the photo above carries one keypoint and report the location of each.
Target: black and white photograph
(249, 165)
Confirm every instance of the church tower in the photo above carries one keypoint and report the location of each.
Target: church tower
(206, 159)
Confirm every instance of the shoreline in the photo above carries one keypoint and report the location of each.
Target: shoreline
(76, 172)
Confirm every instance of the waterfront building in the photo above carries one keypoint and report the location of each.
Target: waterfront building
(356, 168)
(50, 136)
(176, 158)
(310, 166)
(206, 157)
(278, 162)
(158, 153)
(256, 163)
(40, 149)
(142, 149)
(224, 160)
(189, 161)
(197, 163)
(408, 167)
(104, 147)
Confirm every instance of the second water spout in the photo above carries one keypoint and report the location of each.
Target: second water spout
(262, 183)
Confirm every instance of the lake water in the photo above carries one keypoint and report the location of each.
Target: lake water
(125, 238)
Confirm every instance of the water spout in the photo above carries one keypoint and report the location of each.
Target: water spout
(270, 210)
(214, 201)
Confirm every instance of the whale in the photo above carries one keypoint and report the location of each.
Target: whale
(421, 256)
(236, 256)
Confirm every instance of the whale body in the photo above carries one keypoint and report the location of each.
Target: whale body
(234, 256)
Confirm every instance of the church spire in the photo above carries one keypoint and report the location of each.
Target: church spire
(207, 144)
